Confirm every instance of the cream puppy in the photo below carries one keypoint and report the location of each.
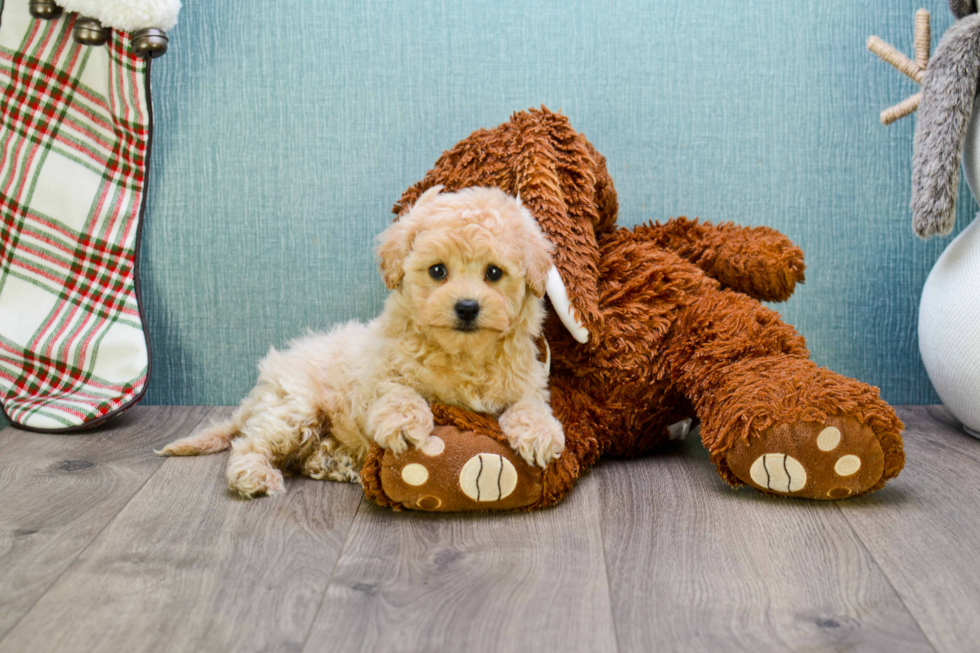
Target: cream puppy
(467, 271)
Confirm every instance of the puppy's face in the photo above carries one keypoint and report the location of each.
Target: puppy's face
(471, 266)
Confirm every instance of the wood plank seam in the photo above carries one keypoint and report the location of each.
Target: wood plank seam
(887, 578)
(95, 537)
(333, 572)
(884, 574)
(605, 568)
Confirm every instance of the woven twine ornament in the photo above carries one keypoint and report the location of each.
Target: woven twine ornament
(914, 70)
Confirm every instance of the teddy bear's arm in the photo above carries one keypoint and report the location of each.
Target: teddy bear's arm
(757, 261)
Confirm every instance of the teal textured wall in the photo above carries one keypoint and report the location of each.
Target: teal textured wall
(285, 130)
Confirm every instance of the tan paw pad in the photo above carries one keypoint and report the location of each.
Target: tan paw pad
(847, 465)
(434, 446)
(488, 477)
(778, 472)
(828, 439)
(429, 502)
(415, 474)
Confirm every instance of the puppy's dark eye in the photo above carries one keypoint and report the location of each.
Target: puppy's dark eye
(494, 273)
(437, 271)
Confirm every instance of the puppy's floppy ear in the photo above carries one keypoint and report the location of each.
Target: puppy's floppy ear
(536, 256)
(395, 242)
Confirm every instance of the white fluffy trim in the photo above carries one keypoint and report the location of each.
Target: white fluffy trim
(128, 15)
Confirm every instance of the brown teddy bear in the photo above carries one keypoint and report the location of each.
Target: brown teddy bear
(673, 330)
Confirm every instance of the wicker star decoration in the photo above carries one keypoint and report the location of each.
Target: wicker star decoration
(911, 69)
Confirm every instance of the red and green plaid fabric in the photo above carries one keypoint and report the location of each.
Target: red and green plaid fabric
(74, 143)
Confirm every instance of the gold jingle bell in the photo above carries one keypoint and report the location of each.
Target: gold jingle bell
(89, 31)
(45, 9)
(150, 42)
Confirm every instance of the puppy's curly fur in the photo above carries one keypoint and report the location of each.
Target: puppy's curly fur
(467, 272)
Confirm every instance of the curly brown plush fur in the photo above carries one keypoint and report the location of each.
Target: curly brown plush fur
(676, 331)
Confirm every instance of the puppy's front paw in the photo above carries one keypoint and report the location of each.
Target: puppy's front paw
(397, 426)
(537, 436)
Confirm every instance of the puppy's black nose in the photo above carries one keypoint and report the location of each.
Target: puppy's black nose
(467, 309)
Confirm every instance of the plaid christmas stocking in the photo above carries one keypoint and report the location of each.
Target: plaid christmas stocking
(75, 128)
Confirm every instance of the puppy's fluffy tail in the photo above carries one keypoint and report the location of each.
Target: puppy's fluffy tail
(210, 440)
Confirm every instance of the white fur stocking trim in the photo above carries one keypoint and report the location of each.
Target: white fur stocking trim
(127, 15)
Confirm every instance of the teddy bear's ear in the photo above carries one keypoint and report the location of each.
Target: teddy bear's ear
(558, 179)
(963, 8)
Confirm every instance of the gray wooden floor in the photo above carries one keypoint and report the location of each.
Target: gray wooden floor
(107, 547)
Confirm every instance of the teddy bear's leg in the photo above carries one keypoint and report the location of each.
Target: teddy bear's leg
(769, 416)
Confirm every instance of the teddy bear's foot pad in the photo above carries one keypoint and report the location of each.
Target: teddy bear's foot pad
(460, 471)
(828, 460)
